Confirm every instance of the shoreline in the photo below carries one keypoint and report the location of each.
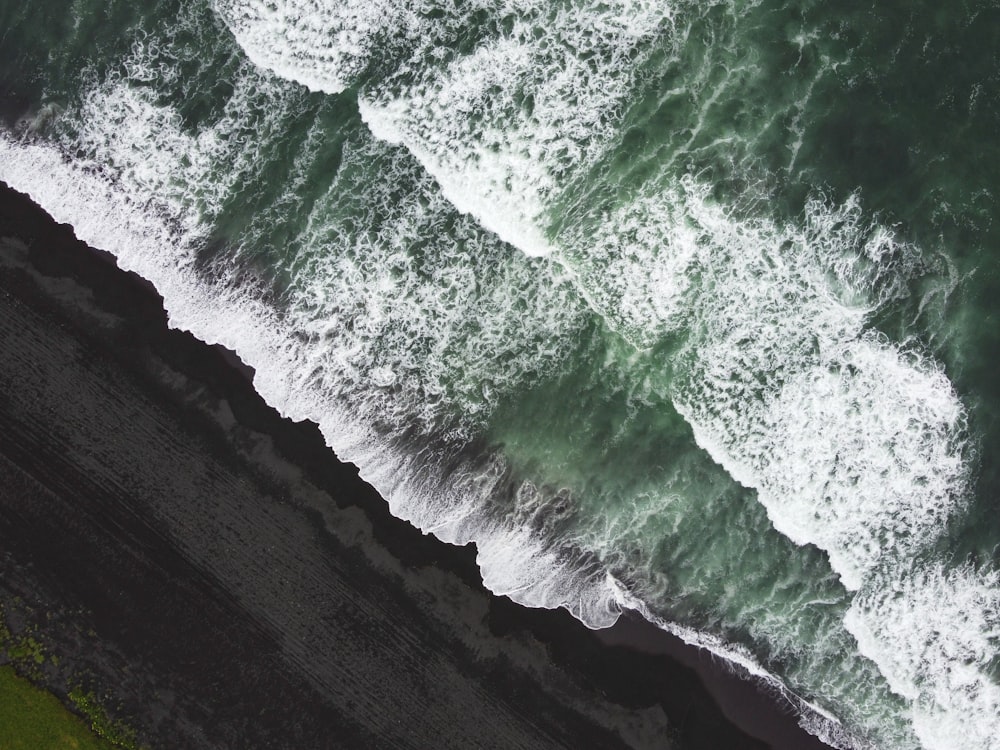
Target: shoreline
(557, 681)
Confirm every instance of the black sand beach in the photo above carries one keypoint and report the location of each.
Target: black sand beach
(225, 582)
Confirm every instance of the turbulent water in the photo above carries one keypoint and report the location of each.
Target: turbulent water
(689, 307)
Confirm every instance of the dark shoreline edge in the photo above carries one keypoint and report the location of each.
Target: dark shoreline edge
(630, 673)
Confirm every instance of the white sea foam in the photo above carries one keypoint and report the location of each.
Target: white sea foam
(935, 634)
(866, 433)
(442, 318)
(852, 443)
(478, 187)
(637, 267)
(324, 47)
(184, 176)
(503, 128)
(499, 127)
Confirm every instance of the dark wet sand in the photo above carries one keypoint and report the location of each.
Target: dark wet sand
(225, 582)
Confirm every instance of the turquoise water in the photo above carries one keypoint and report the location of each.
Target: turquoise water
(685, 308)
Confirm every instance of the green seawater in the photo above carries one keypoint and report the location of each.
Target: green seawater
(689, 308)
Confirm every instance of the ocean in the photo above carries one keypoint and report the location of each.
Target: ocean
(687, 308)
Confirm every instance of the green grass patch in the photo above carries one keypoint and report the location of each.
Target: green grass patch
(116, 734)
(33, 719)
(23, 650)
